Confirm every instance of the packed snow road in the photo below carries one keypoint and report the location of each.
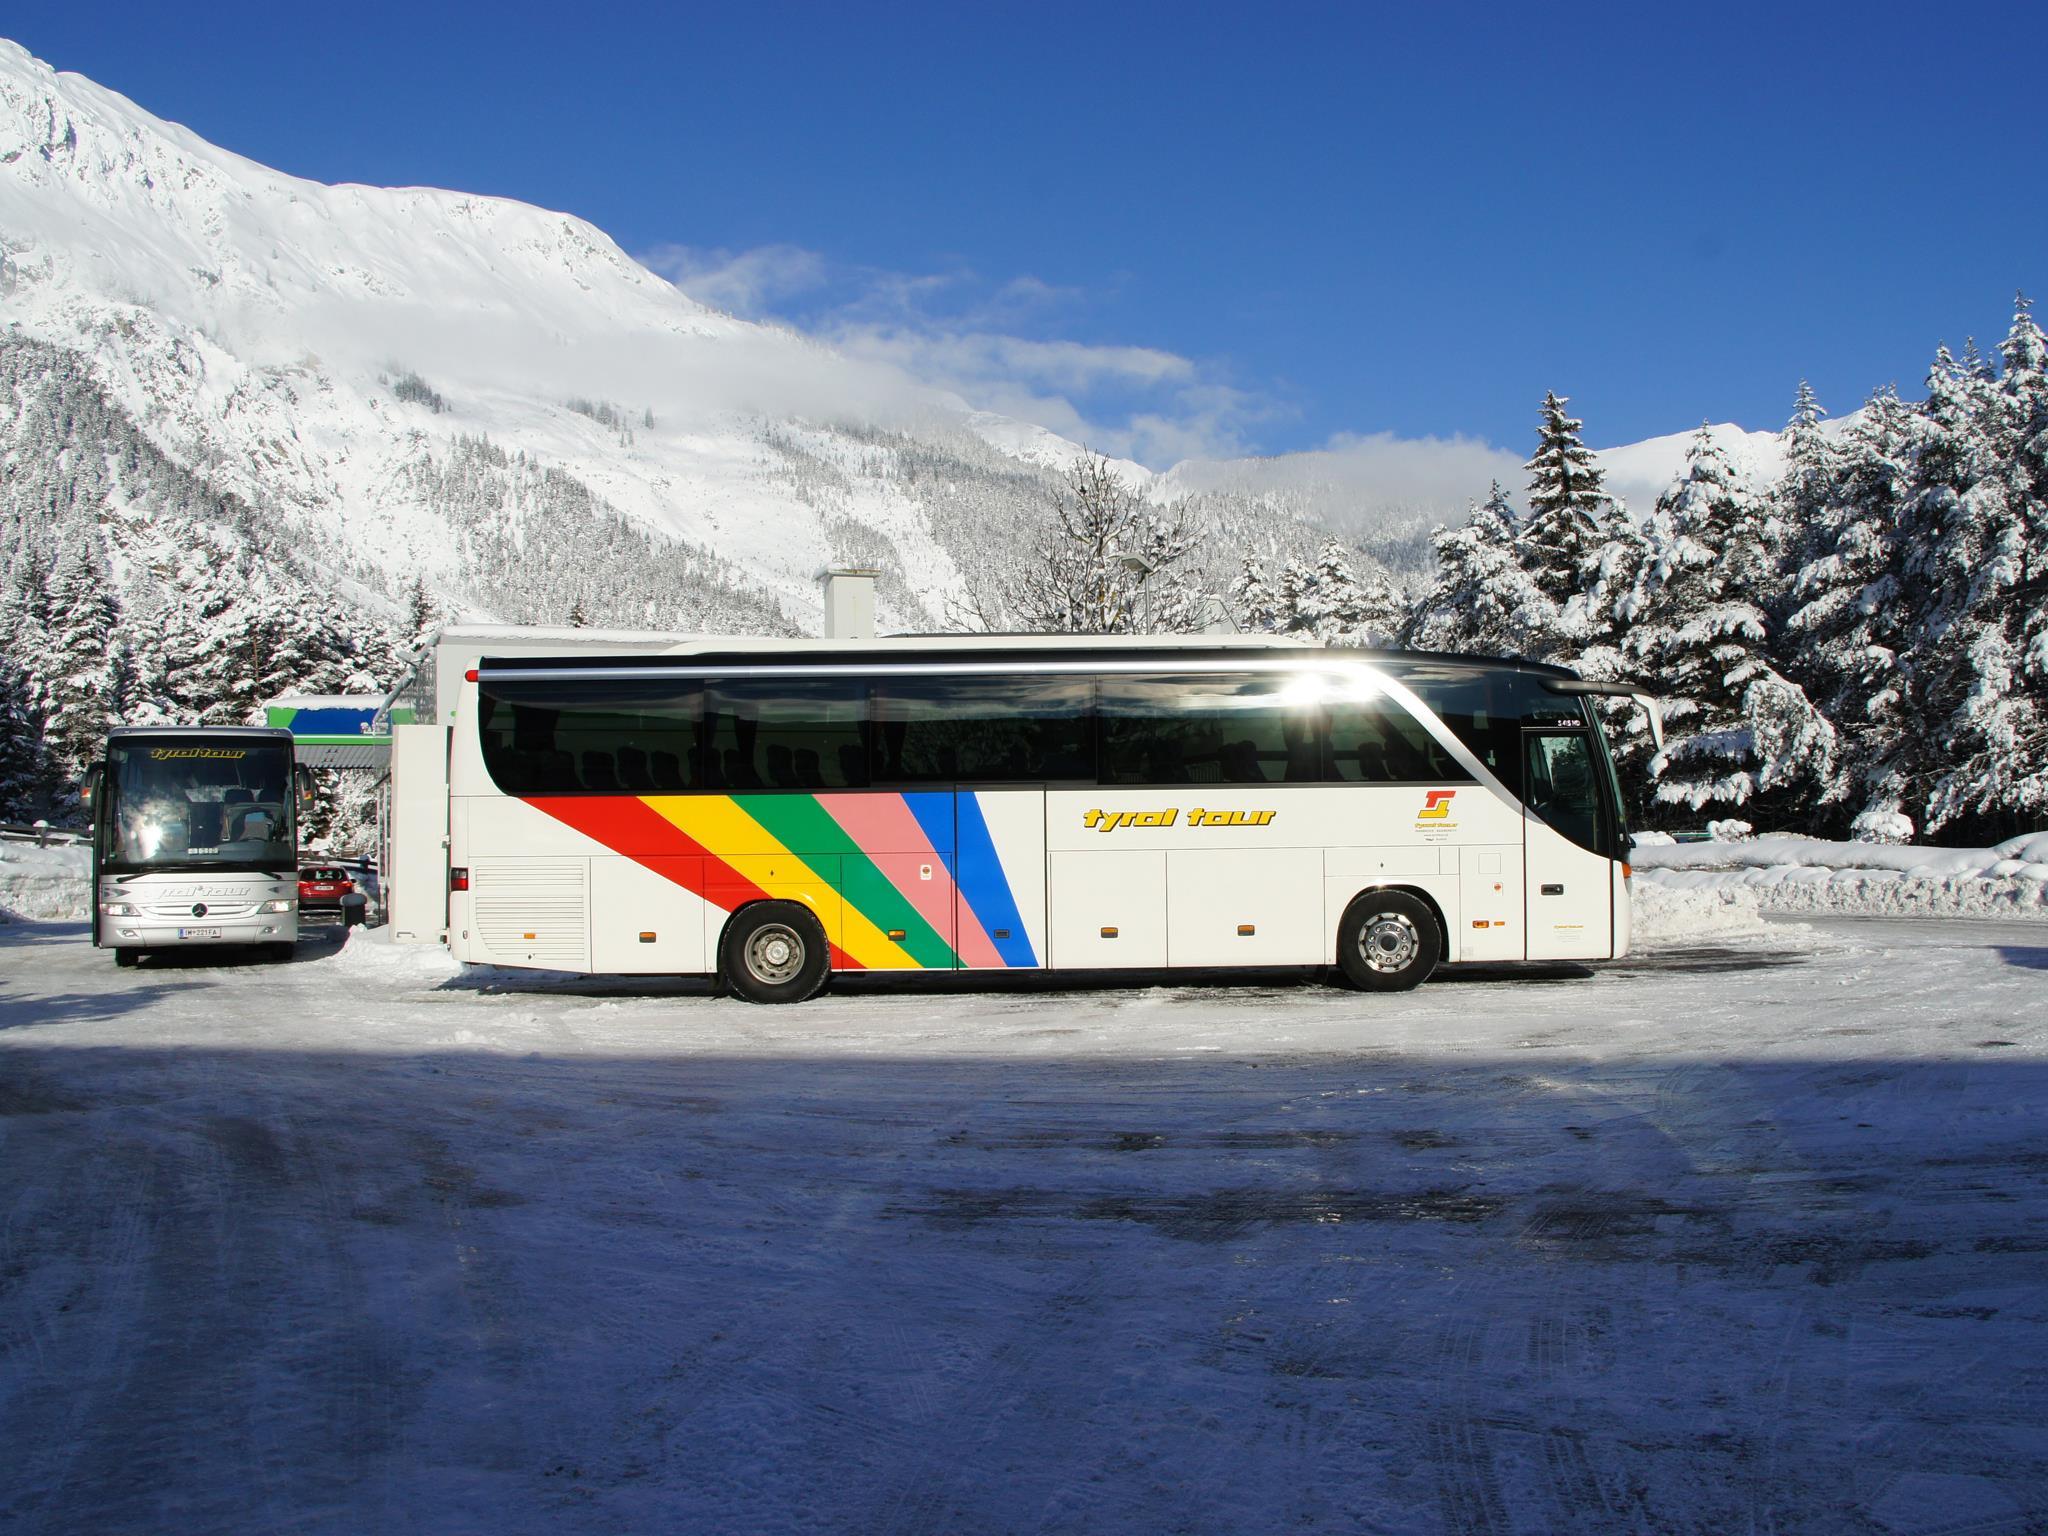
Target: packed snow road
(1742, 1237)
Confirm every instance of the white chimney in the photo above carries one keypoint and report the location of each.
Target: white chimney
(849, 604)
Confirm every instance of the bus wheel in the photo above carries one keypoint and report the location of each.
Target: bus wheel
(280, 954)
(774, 952)
(127, 956)
(1388, 942)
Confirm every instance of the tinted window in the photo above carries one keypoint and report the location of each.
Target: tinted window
(1374, 740)
(1213, 729)
(602, 737)
(798, 734)
(1563, 788)
(1486, 710)
(982, 730)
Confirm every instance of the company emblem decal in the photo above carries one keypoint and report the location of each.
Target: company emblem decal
(1436, 805)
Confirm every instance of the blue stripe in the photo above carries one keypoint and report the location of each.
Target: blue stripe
(934, 815)
(978, 873)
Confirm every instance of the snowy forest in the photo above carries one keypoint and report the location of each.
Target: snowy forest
(1860, 647)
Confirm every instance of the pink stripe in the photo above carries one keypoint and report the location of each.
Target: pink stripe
(882, 824)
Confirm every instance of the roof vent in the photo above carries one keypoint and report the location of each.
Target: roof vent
(849, 604)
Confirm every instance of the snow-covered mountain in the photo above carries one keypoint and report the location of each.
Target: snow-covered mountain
(410, 383)
(329, 353)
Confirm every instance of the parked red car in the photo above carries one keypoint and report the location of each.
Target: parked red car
(328, 894)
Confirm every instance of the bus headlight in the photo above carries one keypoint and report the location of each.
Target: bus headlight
(275, 906)
(117, 909)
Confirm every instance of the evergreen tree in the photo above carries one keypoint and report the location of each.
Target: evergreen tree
(1483, 601)
(78, 682)
(1570, 514)
(1741, 729)
(1849, 625)
(1982, 673)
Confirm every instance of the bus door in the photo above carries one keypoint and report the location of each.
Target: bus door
(1568, 885)
(999, 878)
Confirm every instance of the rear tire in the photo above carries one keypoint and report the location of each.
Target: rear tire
(1388, 942)
(774, 952)
(126, 957)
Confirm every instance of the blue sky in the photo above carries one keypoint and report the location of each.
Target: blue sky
(1181, 229)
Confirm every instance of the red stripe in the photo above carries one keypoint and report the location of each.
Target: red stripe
(630, 826)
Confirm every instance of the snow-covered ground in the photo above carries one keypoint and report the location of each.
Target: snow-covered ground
(1803, 874)
(1735, 1236)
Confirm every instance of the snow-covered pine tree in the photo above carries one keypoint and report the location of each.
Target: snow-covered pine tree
(1483, 600)
(77, 681)
(1252, 599)
(1576, 542)
(1743, 735)
(1804, 491)
(1850, 623)
(1950, 524)
(1981, 674)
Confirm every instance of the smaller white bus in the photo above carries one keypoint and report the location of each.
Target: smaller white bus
(775, 812)
(195, 840)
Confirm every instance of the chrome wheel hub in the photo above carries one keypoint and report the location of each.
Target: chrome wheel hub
(1388, 942)
(775, 954)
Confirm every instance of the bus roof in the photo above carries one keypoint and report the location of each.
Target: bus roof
(244, 732)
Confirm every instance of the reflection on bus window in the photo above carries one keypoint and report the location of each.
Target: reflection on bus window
(940, 730)
(172, 803)
(1563, 788)
(795, 734)
(1215, 728)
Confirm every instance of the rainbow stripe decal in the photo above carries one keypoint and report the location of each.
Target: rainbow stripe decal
(923, 865)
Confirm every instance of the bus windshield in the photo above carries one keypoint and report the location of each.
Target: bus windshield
(199, 805)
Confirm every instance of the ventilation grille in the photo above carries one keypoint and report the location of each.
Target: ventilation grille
(546, 898)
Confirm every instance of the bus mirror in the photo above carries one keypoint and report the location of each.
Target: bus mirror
(1640, 696)
(1654, 711)
(89, 785)
(303, 776)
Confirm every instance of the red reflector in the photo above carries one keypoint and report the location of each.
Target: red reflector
(469, 676)
(458, 879)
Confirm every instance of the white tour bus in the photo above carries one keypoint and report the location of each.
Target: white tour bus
(195, 839)
(772, 811)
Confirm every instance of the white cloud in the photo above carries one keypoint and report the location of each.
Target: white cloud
(750, 284)
(997, 346)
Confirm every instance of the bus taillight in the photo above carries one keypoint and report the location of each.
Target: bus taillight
(458, 879)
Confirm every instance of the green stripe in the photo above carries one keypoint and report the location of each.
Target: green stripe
(802, 826)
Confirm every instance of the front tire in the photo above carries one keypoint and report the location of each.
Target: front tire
(126, 957)
(280, 954)
(774, 952)
(1388, 942)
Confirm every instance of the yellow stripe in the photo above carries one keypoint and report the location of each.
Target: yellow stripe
(753, 851)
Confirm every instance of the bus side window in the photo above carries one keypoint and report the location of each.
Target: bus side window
(1376, 741)
(1206, 728)
(803, 733)
(969, 730)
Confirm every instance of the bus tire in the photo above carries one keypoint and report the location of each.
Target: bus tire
(126, 957)
(774, 952)
(1388, 942)
(280, 954)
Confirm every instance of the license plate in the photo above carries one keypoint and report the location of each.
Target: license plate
(198, 933)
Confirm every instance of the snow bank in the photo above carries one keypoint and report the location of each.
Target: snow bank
(1804, 874)
(1669, 915)
(45, 884)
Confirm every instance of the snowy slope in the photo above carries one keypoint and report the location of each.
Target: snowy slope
(323, 352)
(261, 326)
